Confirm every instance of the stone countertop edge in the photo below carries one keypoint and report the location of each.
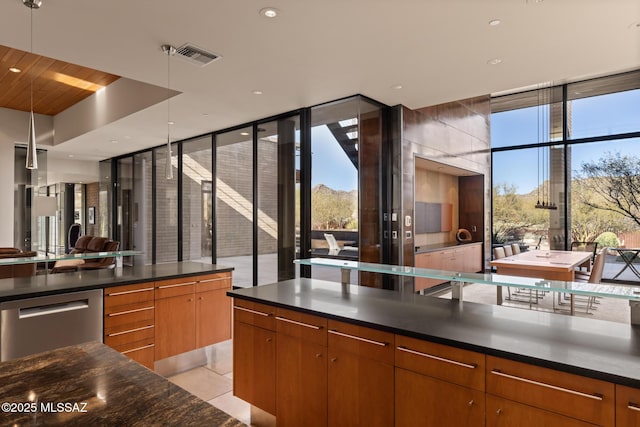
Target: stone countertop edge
(441, 246)
(51, 284)
(593, 348)
(113, 389)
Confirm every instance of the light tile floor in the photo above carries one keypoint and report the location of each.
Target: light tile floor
(213, 382)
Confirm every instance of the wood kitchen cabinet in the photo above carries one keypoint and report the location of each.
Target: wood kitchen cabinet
(465, 258)
(213, 309)
(550, 391)
(254, 361)
(437, 385)
(175, 319)
(129, 321)
(191, 312)
(627, 406)
(506, 413)
(360, 376)
(301, 369)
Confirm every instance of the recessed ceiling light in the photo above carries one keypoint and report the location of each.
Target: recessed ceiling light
(634, 25)
(70, 155)
(396, 87)
(14, 69)
(114, 141)
(494, 22)
(494, 61)
(205, 114)
(269, 12)
(244, 133)
(171, 123)
(256, 92)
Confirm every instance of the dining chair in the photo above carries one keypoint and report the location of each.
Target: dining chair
(515, 247)
(586, 247)
(593, 277)
(498, 252)
(508, 251)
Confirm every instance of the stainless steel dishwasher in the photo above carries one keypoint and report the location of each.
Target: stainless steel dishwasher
(32, 325)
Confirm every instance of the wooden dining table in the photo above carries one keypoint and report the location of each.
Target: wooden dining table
(543, 264)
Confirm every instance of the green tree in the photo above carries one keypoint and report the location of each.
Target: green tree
(511, 213)
(615, 181)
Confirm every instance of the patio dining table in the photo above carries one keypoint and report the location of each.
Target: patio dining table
(628, 255)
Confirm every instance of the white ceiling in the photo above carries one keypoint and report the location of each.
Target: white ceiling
(317, 51)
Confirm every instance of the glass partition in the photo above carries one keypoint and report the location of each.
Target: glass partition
(197, 201)
(166, 215)
(234, 203)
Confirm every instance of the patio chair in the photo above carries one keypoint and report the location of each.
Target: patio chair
(334, 248)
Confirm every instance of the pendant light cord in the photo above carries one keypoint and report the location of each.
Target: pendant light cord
(31, 50)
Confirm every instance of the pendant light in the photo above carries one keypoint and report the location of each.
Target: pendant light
(168, 168)
(32, 158)
(544, 117)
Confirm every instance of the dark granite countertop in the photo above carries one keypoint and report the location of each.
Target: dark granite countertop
(28, 287)
(594, 348)
(100, 387)
(440, 246)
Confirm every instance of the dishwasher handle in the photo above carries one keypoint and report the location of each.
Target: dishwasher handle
(48, 309)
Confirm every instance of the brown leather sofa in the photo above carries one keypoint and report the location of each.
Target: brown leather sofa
(17, 270)
(88, 244)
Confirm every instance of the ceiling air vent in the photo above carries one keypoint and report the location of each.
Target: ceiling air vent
(196, 54)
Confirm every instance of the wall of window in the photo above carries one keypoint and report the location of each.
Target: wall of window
(573, 148)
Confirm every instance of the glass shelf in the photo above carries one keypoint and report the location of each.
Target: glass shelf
(627, 292)
(54, 258)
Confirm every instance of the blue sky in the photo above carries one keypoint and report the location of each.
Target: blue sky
(595, 116)
(329, 163)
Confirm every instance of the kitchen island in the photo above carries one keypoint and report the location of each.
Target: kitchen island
(150, 313)
(90, 385)
(468, 363)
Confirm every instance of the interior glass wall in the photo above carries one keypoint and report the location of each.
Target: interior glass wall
(197, 200)
(104, 199)
(142, 215)
(166, 215)
(278, 209)
(234, 203)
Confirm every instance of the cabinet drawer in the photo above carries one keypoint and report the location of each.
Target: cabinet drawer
(253, 313)
(143, 354)
(123, 296)
(175, 287)
(301, 325)
(119, 339)
(503, 412)
(451, 364)
(568, 394)
(361, 341)
(211, 282)
(122, 320)
(627, 406)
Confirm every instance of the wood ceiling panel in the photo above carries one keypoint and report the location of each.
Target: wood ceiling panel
(57, 85)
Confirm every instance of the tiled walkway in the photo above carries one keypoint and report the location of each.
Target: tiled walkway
(213, 383)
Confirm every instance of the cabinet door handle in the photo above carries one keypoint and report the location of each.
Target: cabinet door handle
(353, 337)
(553, 387)
(318, 355)
(120, 313)
(248, 310)
(471, 402)
(176, 285)
(115, 334)
(306, 325)
(441, 359)
(633, 406)
(269, 340)
(499, 411)
(138, 348)
(190, 299)
(113, 294)
(333, 359)
(213, 280)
